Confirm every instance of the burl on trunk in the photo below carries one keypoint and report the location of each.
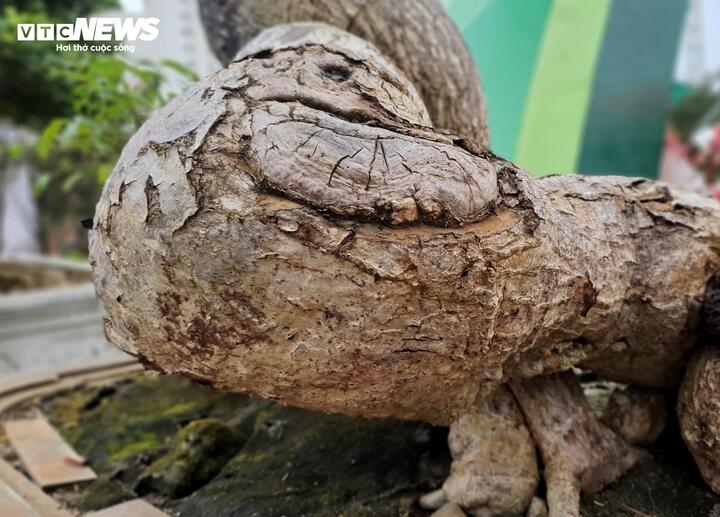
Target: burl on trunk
(295, 228)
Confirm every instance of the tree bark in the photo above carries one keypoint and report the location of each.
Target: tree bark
(637, 415)
(579, 453)
(698, 409)
(293, 228)
(494, 469)
(417, 35)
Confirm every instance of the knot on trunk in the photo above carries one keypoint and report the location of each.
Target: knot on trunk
(336, 126)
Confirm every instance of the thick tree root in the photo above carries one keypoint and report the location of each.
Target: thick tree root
(537, 508)
(494, 469)
(638, 415)
(449, 510)
(698, 409)
(579, 453)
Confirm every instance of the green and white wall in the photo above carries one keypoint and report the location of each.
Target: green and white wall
(575, 85)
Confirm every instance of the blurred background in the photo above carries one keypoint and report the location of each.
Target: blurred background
(601, 87)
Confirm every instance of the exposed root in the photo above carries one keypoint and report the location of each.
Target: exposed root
(579, 453)
(636, 414)
(433, 500)
(494, 469)
(449, 510)
(698, 409)
(538, 508)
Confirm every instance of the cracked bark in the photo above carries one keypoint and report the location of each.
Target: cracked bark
(636, 414)
(417, 35)
(294, 228)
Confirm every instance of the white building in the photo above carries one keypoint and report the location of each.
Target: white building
(18, 212)
(181, 35)
(699, 51)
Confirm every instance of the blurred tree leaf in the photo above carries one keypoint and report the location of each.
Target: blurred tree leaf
(111, 97)
(64, 10)
(180, 69)
(694, 109)
(41, 183)
(30, 93)
(47, 139)
(84, 106)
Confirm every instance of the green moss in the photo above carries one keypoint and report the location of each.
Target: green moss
(142, 443)
(135, 417)
(255, 457)
(303, 463)
(296, 462)
(173, 437)
(181, 409)
(197, 454)
(105, 491)
(69, 408)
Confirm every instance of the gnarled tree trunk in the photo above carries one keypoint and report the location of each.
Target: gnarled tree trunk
(699, 413)
(294, 213)
(417, 35)
(294, 227)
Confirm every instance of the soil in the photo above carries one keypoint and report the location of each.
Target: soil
(195, 451)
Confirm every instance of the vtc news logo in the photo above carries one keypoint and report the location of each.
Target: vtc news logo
(91, 29)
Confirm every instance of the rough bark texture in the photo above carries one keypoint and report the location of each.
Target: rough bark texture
(537, 508)
(417, 35)
(579, 453)
(293, 229)
(449, 510)
(699, 412)
(494, 469)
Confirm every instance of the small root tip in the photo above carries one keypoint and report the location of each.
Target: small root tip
(433, 500)
(449, 510)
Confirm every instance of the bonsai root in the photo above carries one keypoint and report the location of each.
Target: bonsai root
(698, 410)
(449, 510)
(636, 414)
(494, 469)
(579, 453)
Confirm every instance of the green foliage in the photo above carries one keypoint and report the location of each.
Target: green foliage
(30, 88)
(63, 10)
(83, 106)
(111, 98)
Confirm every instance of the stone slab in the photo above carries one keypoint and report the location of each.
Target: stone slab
(49, 460)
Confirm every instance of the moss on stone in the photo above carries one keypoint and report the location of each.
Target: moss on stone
(143, 442)
(137, 416)
(122, 428)
(304, 463)
(105, 491)
(197, 454)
